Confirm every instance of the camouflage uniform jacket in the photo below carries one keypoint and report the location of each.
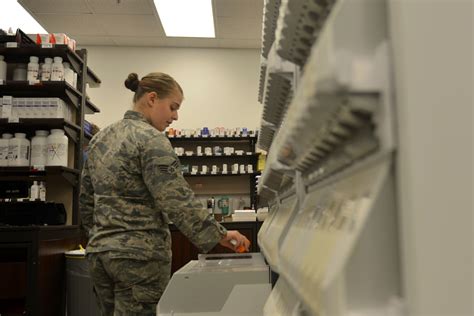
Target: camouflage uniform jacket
(131, 184)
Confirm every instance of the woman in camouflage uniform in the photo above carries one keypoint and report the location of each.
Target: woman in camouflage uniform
(131, 184)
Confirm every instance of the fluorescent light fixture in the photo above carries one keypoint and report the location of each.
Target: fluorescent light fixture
(13, 15)
(186, 18)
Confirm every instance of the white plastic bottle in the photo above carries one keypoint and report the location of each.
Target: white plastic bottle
(46, 69)
(4, 149)
(3, 69)
(57, 148)
(39, 148)
(42, 191)
(33, 69)
(57, 70)
(19, 150)
(68, 74)
(34, 191)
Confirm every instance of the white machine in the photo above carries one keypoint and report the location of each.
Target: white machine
(218, 284)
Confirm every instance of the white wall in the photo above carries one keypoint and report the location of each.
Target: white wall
(220, 85)
(434, 80)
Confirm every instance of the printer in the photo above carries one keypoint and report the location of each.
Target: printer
(218, 284)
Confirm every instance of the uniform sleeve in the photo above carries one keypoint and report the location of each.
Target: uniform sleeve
(172, 194)
(86, 201)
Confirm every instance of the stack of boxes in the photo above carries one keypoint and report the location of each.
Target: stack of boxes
(19, 108)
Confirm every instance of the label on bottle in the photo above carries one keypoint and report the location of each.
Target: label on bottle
(57, 74)
(4, 155)
(47, 45)
(32, 75)
(42, 193)
(25, 152)
(6, 110)
(46, 73)
(13, 152)
(39, 153)
(11, 45)
(57, 154)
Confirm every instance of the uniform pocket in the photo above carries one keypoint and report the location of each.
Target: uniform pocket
(146, 294)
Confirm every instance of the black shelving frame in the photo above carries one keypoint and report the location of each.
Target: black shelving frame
(42, 248)
(72, 96)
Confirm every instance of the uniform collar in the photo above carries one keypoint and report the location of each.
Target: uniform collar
(134, 115)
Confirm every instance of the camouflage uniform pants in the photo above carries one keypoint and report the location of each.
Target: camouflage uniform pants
(127, 287)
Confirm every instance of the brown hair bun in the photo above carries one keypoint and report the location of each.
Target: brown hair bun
(132, 82)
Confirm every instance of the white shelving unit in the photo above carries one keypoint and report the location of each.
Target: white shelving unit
(360, 170)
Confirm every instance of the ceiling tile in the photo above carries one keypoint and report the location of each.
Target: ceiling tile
(238, 28)
(135, 22)
(84, 40)
(130, 25)
(246, 9)
(121, 7)
(71, 24)
(56, 6)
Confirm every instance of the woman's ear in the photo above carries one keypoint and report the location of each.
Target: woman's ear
(151, 98)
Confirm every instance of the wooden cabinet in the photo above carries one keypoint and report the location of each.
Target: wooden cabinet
(184, 251)
(32, 269)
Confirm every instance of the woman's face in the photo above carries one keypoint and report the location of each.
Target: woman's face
(162, 112)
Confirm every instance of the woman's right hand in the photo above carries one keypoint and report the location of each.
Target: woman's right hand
(235, 241)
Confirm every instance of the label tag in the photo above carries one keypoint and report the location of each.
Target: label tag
(47, 45)
(12, 45)
(6, 110)
(13, 119)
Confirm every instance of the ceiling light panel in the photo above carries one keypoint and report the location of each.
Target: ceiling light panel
(13, 15)
(186, 18)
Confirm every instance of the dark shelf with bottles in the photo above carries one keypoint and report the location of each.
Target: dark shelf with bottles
(220, 174)
(22, 52)
(41, 270)
(39, 173)
(33, 171)
(245, 144)
(223, 156)
(46, 89)
(214, 139)
(30, 125)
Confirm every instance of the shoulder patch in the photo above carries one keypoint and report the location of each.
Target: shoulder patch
(170, 169)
